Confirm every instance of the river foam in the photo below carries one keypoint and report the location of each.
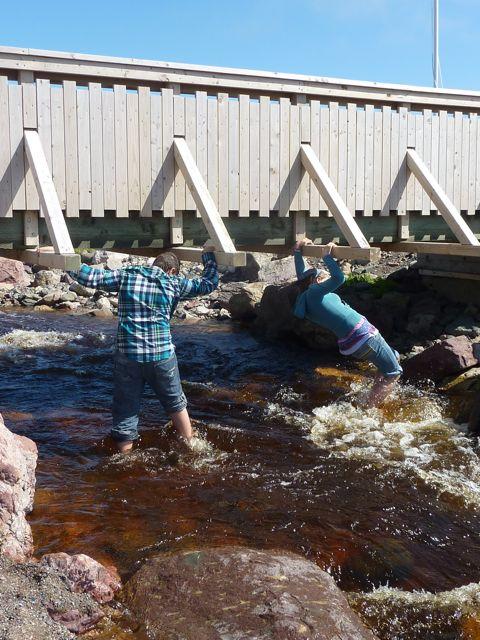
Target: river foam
(416, 439)
(25, 340)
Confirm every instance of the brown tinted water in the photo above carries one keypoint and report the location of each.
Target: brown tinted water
(387, 501)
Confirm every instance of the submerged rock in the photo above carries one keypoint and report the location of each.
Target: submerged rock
(241, 593)
(18, 459)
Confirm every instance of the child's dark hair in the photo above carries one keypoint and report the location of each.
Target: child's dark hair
(297, 288)
(167, 261)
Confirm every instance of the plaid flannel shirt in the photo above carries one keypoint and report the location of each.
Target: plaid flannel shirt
(147, 298)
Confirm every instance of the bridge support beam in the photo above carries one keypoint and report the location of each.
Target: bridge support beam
(445, 206)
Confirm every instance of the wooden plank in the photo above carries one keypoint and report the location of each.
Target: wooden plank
(395, 163)
(315, 142)
(192, 254)
(203, 199)
(419, 123)
(244, 155)
(108, 133)
(449, 274)
(324, 148)
(6, 196)
(427, 156)
(442, 150)
(386, 161)
(305, 136)
(360, 162)
(15, 110)
(377, 159)
(29, 102)
(274, 169)
(58, 143)
(49, 200)
(369, 150)
(342, 215)
(450, 156)
(264, 196)
(457, 159)
(351, 155)
(299, 225)
(133, 152)
(223, 154)
(403, 170)
(477, 172)
(44, 121)
(96, 148)
(342, 153)
(179, 130)
(472, 163)
(176, 228)
(465, 156)
(434, 152)
(333, 144)
(157, 150)
(254, 167)
(71, 149)
(295, 162)
(372, 254)
(49, 259)
(233, 156)
(442, 202)
(435, 248)
(202, 135)
(145, 153)
(168, 154)
(121, 153)
(284, 196)
(212, 149)
(84, 158)
(191, 138)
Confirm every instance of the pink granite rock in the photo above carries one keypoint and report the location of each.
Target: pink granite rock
(85, 575)
(12, 272)
(18, 459)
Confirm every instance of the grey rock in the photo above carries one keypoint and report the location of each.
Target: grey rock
(47, 278)
(52, 298)
(464, 326)
(244, 304)
(103, 303)
(69, 296)
(80, 290)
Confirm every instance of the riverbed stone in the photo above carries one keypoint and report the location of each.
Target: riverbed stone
(445, 358)
(103, 303)
(18, 459)
(80, 290)
(243, 305)
(47, 278)
(13, 272)
(52, 298)
(234, 592)
(85, 575)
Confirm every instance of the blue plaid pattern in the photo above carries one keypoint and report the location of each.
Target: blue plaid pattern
(147, 298)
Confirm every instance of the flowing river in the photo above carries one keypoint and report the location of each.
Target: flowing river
(387, 501)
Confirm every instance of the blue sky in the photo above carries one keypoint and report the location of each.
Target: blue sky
(381, 40)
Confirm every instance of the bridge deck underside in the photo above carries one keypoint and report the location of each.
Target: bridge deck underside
(133, 232)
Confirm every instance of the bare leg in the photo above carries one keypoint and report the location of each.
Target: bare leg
(182, 424)
(382, 387)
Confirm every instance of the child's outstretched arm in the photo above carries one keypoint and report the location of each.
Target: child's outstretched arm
(337, 277)
(208, 281)
(98, 278)
(300, 265)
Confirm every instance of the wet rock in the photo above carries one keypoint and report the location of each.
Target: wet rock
(68, 296)
(243, 305)
(12, 272)
(445, 358)
(103, 303)
(52, 298)
(37, 605)
(47, 278)
(43, 308)
(466, 382)
(279, 596)
(18, 459)
(85, 575)
(102, 313)
(80, 290)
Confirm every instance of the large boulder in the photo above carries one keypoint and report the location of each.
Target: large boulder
(445, 358)
(13, 272)
(18, 459)
(243, 305)
(261, 267)
(234, 592)
(47, 278)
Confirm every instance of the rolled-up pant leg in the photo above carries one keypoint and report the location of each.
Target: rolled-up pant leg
(128, 384)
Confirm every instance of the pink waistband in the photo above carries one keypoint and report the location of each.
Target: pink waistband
(355, 328)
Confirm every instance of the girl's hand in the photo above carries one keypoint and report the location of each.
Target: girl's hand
(301, 243)
(329, 248)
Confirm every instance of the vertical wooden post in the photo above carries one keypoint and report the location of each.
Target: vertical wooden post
(31, 236)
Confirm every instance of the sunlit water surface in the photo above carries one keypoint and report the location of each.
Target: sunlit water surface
(387, 500)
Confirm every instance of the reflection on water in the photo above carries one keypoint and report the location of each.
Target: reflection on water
(385, 500)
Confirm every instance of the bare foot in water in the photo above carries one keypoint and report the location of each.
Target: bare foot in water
(125, 447)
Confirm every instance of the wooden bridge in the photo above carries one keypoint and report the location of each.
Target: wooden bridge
(135, 155)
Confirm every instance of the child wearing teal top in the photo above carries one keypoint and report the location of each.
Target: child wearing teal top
(356, 336)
